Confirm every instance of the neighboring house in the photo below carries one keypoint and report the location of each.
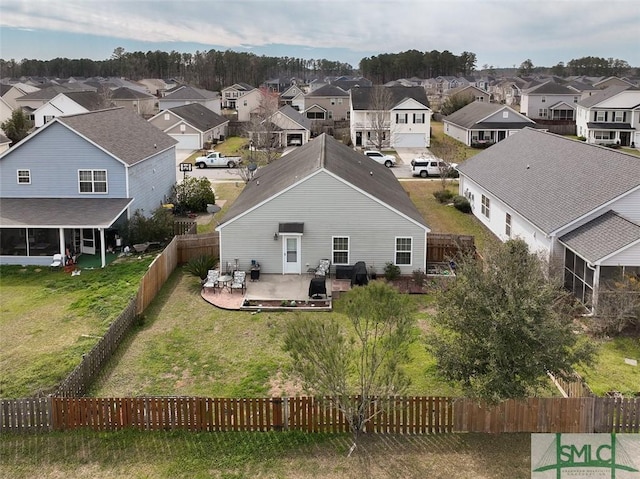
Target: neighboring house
(69, 103)
(4, 143)
(185, 95)
(404, 122)
(287, 96)
(231, 94)
(482, 124)
(302, 208)
(550, 101)
(5, 110)
(291, 128)
(73, 183)
(612, 81)
(611, 116)
(476, 93)
(327, 103)
(576, 204)
(139, 102)
(297, 102)
(248, 103)
(18, 90)
(191, 125)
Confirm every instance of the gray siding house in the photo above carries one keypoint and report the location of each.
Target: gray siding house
(574, 203)
(323, 200)
(73, 182)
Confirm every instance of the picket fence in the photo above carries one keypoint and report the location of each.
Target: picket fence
(396, 415)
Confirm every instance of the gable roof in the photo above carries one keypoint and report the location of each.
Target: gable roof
(603, 95)
(327, 90)
(124, 93)
(47, 93)
(474, 113)
(199, 116)
(325, 153)
(550, 88)
(293, 114)
(361, 97)
(186, 92)
(602, 236)
(119, 131)
(551, 180)
(88, 99)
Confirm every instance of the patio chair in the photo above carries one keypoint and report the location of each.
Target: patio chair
(324, 269)
(57, 261)
(239, 281)
(212, 279)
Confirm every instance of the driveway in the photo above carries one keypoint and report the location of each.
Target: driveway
(405, 155)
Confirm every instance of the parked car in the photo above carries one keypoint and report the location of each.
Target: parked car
(215, 158)
(425, 167)
(386, 160)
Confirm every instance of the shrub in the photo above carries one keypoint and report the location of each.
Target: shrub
(582, 138)
(391, 271)
(158, 227)
(201, 265)
(193, 194)
(443, 196)
(419, 277)
(462, 204)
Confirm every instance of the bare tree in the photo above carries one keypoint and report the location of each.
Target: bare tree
(380, 104)
(446, 152)
(105, 94)
(618, 306)
(260, 128)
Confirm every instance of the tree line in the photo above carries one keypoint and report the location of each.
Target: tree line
(211, 69)
(214, 69)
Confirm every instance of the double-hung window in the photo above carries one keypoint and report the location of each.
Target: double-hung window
(401, 118)
(485, 206)
(507, 225)
(403, 250)
(418, 118)
(24, 177)
(92, 181)
(340, 249)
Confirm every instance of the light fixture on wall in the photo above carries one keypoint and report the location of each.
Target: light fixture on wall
(275, 236)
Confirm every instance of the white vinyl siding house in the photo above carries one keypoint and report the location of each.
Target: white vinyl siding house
(595, 223)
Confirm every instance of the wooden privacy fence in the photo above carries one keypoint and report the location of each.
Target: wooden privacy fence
(399, 415)
(443, 247)
(193, 245)
(572, 415)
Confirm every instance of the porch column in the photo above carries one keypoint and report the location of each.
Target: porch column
(596, 288)
(103, 248)
(62, 248)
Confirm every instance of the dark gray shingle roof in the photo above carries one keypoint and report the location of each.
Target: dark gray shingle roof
(325, 152)
(552, 180)
(551, 88)
(602, 236)
(361, 97)
(87, 99)
(469, 115)
(124, 93)
(295, 115)
(199, 116)
(121, 132)
(327, 90)
(185, 92)
(62, 212)
(603, 95)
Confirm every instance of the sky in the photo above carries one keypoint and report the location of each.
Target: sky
(502, 33)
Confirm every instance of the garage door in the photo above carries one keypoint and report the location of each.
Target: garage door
(410, 140)
(187, 142)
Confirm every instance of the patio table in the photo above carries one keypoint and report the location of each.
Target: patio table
(224, 281)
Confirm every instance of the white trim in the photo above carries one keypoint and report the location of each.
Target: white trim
(348, 250)
(396, 251)
(93, 182)
(28, 176)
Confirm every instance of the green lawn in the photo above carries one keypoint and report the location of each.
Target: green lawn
(48, 319)
(144, 455)
(188, 347)
(610, 373)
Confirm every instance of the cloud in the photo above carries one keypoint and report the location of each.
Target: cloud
(502, 29)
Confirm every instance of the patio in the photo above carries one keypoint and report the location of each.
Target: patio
(277, 292)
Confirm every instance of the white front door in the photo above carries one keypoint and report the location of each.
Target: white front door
(291, 253)
(88, 242)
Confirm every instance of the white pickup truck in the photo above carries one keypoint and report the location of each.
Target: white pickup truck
(215, 158)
